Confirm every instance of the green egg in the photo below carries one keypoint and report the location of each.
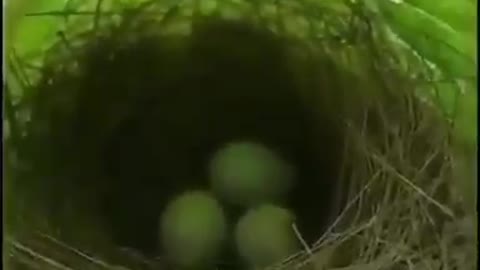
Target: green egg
(248, 174)
(265, 236)
(193, 229)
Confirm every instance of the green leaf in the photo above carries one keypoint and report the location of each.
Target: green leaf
(28, 32)
(458, 14)
(452, 51)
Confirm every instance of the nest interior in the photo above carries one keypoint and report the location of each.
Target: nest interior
(126, 123)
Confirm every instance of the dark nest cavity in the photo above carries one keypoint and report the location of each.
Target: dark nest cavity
(124, 122)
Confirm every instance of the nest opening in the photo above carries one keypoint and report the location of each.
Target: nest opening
(129, 125)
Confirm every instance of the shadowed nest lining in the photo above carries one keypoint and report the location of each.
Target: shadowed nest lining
(124, 118)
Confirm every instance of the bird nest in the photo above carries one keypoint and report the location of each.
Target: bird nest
(124, 110)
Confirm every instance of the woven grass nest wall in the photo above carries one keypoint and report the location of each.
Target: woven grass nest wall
(126, 107)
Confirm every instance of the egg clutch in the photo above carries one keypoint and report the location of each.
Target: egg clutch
(194, 227)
